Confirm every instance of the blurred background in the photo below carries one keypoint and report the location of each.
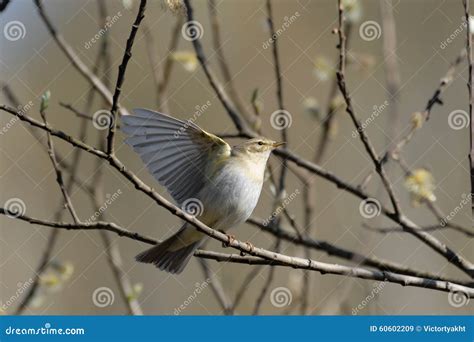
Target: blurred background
(33, 64)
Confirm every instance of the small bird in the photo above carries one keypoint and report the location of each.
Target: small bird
(218, 184)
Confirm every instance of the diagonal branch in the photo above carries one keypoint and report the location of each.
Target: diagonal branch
(449, 254)
(121, 76)
(263, 257)
(216, 86)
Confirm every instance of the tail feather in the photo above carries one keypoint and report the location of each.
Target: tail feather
(167, 258)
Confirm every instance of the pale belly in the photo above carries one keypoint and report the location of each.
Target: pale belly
(231, 198)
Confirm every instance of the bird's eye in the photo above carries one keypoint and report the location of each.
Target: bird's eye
(260, 143)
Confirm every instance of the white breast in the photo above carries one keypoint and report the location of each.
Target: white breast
(233, 195)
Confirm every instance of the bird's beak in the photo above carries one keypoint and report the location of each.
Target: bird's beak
(277, 144)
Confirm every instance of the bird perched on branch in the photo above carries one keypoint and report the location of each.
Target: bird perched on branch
(218, 184)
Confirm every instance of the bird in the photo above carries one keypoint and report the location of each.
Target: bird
(218, 184)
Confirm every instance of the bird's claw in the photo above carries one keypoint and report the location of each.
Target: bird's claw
(251, 248)
(230, 239)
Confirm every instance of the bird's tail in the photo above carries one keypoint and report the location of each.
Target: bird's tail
(173, 254)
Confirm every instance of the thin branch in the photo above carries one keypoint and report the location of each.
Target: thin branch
(251, 276)
(406, 223)
(59, 176)
(224, 66)
(75, 60)
(216, 287)
(445, 82)
(341, 79)
(269, 258)
(216, 86)
(281, 184)
(333, 250)
(392, 73)
(121, 75)
(431, 228)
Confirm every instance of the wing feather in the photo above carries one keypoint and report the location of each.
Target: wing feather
(175, 152)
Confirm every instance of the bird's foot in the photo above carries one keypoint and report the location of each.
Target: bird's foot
(251, 248)
(230, 239)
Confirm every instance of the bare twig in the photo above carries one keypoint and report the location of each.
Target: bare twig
(431, 228)
(264, 257)
(216, 86)
(350, 110)
(121, 75)
(216, 287)
(223, 64)
(75, 60)
(406, 223)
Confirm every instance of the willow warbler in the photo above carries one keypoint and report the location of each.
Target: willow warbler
(208, 178)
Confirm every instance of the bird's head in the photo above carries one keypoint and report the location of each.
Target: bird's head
(257, 147)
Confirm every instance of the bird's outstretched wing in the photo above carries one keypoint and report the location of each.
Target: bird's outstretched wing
(177, 153)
